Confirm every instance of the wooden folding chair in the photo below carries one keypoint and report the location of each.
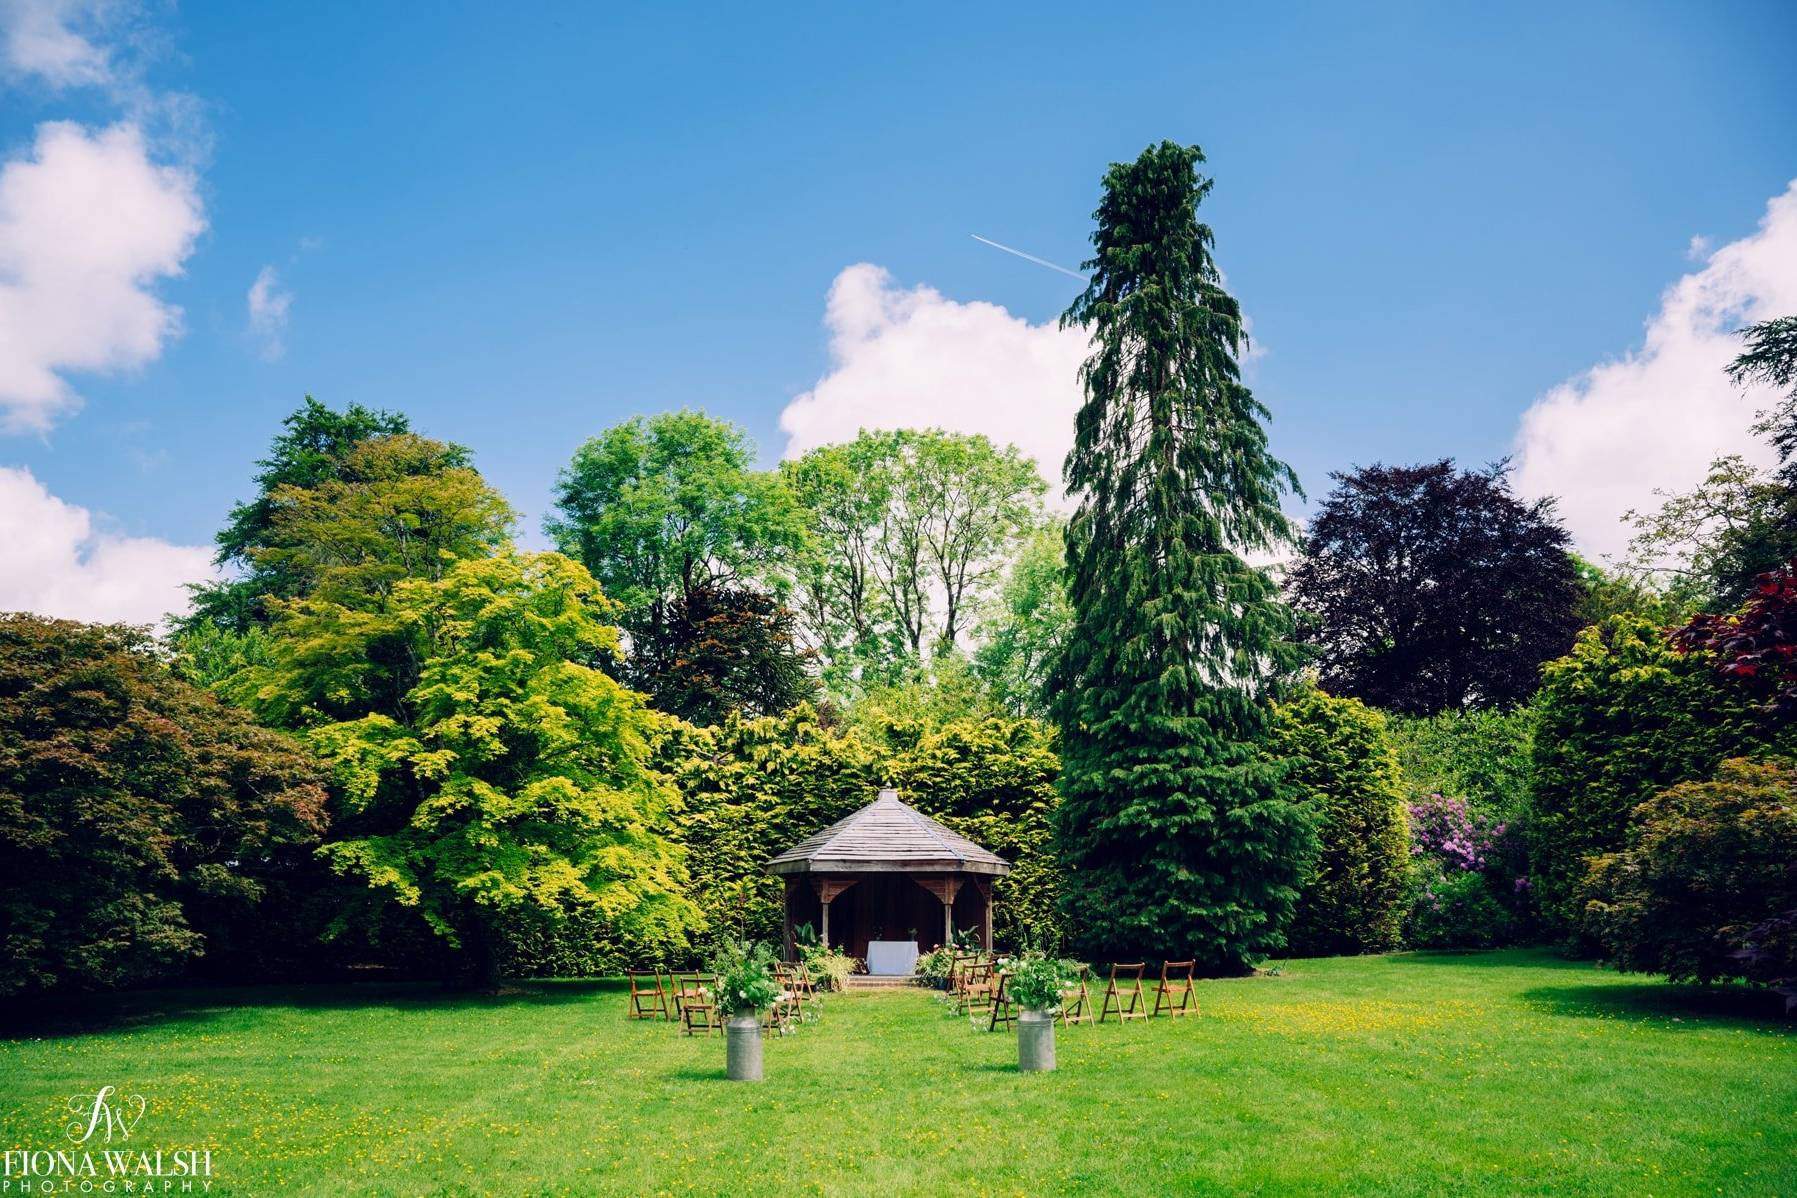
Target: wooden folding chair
(699, 1009)
(1176, 979)
(1114, 1003)
(1003, 1009)
(1076, 1001)
(957, 976)
(977, 989)
(646, 1001)
(686, 986)
(804, 993)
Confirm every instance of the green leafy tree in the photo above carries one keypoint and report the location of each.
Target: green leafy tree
(1620, 718)
(1427, 588)
(1024, 632)
(142, 822)
(722, 649)
(1343, 765)
(912, 532)
(1704, 878)
(1613, 592)
(1702, 548)
(515, 777)
(659, 508)
(400, 509)
(1770, 358)
(1176, 833)
(308, 452)
(845, 570)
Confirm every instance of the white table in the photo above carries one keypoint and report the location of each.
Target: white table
(889, 957)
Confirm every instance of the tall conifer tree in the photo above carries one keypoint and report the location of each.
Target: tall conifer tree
(1178, 836)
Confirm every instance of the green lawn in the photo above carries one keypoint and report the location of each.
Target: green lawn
(1503, 1073)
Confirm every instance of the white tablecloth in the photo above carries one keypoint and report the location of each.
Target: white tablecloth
(891, 956)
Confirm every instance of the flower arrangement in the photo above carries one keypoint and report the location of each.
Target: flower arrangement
(745, 974)
(1038, 980)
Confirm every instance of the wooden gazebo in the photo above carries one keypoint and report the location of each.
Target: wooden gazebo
(904, 877)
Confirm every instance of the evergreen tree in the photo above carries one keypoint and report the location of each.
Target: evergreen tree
(1178, 834)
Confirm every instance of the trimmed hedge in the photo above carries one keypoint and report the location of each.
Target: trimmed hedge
(1342, 763)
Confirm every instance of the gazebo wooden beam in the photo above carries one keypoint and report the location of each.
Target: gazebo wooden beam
(827, 891)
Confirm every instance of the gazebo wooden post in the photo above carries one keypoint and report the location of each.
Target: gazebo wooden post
(948, 922)
(791, 948)
(986, 902)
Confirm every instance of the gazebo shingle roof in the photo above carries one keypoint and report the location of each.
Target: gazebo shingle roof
(887, 836)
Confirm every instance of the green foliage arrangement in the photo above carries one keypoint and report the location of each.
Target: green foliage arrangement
(1706, 887)
(830, 968)
(1342, 762)
(1037, 981)
(1176, 833)
(513, 777)
(745, 974)
(1621, 718)
(142, 822)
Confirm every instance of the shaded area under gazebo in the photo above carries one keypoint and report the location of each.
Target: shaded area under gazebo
(888, 873)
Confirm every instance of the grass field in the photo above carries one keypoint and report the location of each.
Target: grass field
(1501, 1073)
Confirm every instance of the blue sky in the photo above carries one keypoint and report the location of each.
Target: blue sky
(522, 224)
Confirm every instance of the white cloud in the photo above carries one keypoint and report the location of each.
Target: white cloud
(56, 41)
(916, 359)
(54, 562)
(1605, 439)
(88, 224)
(268, 306)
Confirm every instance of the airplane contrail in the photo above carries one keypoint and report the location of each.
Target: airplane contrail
(1028, 257)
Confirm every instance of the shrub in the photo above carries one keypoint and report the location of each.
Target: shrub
(1706, 887)
(934, 965)
(1467, 888)
(1455, 909)
(1341, 763)
(1622, 717)
(142, 822)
